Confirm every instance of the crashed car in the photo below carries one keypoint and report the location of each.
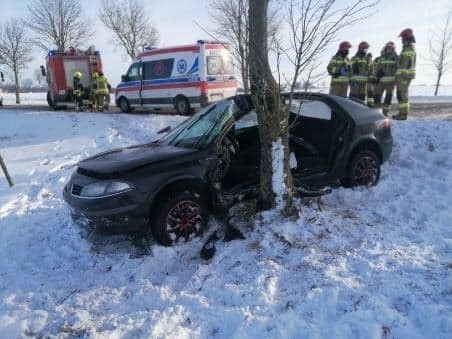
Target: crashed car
(169, 184)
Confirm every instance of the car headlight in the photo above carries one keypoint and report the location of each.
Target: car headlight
(103, 188)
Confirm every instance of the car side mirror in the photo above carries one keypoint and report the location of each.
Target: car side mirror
(164, 130)
(124, 78)
(2, 76)
(43, 71)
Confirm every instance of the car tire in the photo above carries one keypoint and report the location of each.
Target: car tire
(182, 105)
(363, 170)
(182, 216)
(1, 102)
(124, 105)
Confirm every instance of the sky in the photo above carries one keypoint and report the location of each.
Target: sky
(176, 22)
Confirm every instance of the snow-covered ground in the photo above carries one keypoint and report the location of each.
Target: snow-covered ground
(418, 94)
(356, 264)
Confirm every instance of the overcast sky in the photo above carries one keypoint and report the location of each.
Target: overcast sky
(174, 20)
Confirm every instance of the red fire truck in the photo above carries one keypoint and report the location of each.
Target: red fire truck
(60, 69)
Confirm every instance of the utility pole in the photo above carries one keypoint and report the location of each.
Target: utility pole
(5, 170)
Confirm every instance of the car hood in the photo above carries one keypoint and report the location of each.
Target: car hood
(124, 159)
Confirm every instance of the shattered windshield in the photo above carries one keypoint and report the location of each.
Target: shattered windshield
(204, 127)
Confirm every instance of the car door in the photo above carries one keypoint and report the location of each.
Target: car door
(310, 134)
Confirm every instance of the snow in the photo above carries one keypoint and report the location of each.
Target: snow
(356, 264)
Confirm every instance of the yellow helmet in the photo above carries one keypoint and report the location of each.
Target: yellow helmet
(95, 75)
(78, 75)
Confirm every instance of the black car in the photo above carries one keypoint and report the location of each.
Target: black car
(170, 184)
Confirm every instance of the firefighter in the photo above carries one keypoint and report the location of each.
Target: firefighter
(77, 88)
(102, 91)
(360, 72)
(385, 71)
(339, 69)
(371, 82)
(406, 71)
(92, 93)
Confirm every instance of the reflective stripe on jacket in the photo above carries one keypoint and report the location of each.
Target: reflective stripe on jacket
(386, 68)
(406, 65)
(361, 69)
(339, 68)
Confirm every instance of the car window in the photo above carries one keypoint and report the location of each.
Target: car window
(158, 69)
(248, 120)
(311, 109)
(134, 72)
(203, 128)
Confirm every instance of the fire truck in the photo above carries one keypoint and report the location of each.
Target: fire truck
(60, 69)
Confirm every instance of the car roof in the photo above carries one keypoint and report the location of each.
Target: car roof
(356, 109)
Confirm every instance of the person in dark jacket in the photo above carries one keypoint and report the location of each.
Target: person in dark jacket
(360, 70)
(406, 72)
(385, 75)
(339, 68)
(77, 88)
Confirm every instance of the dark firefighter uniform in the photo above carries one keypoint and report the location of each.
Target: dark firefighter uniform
(406, 71)
(361, 68)
(78, 91)
(385, 74)
(339, 68)
(102, 90)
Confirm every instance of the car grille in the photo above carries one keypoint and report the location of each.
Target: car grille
(76, 189)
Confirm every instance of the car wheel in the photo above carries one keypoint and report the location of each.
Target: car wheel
(124, 105)
(363, 170)
(182, 105)
(181, 217)
(1, 102)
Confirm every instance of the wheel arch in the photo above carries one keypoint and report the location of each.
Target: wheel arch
(179, 185)
(365, 144)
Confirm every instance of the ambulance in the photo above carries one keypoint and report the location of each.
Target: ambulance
(184, 77)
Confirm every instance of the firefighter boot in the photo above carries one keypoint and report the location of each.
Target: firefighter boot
(403, 111)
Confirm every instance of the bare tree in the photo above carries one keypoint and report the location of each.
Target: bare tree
(232, 23)
(313, 25)
(440, 46)
(272, 116)
(15, 51)
(131, 26)
(58, 23)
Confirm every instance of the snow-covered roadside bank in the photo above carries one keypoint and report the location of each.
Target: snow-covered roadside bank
(362, 264)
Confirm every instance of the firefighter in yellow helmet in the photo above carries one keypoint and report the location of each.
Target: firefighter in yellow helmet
(360, 70)
(77, 89)
(406, 71)
(339, 69)
(92, 92)
(385, 71)
(102, 91)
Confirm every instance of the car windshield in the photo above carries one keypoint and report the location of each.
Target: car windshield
(204, 127)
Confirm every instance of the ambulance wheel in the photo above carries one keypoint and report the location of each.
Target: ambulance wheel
(182, 105)
(124, 105)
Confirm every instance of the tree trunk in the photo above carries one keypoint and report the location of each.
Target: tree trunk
(16, 84)
(5, 171)
(275, 188)
(438, 80)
